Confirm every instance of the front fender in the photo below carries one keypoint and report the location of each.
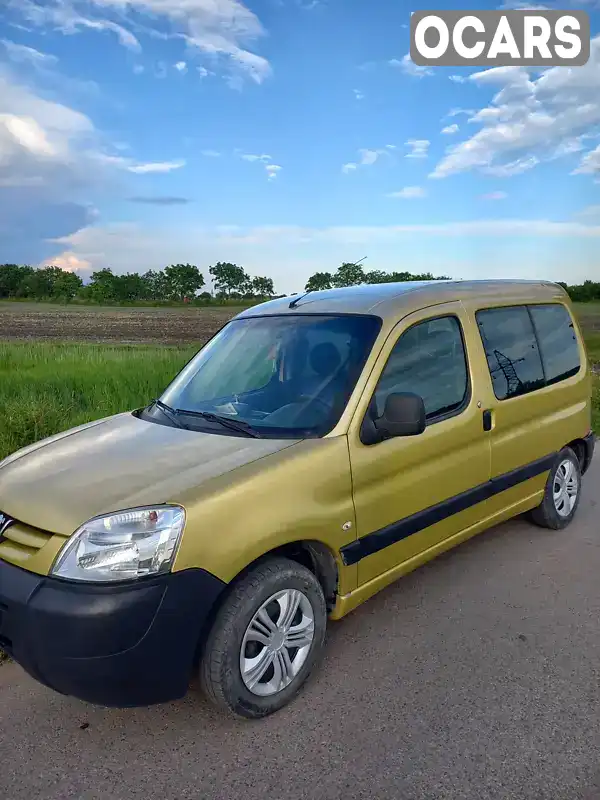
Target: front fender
(302, 493)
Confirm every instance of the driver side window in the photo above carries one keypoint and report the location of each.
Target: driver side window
(428, 359)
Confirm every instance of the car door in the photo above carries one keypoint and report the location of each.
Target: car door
(409, 492)
(534, 361)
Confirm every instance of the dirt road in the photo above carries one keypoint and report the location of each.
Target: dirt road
(475, 678)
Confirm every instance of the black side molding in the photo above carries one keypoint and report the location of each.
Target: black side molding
(378, 540)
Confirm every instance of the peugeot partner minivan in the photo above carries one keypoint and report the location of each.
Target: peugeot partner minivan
(315, 450)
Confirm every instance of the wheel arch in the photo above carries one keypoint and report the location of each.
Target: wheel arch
(580, 448)
(312, 554)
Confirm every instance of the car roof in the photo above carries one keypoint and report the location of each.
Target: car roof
(392, 299)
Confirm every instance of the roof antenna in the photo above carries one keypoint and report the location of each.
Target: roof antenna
(296, 300)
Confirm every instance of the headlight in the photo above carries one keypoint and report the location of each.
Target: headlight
(121, 546)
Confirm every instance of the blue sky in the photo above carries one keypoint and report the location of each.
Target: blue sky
(287, 136)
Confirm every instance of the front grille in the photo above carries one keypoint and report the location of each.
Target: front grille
(19, 542)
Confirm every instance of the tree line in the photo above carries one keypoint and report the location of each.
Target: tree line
(175, 283)
(185, 283)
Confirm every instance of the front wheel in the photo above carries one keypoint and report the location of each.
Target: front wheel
(266, 639)
(562, 493)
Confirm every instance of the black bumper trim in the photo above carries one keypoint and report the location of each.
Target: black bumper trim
(118, 645)
(589, 442)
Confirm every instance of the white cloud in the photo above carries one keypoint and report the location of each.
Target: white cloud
(210, 153)
(20, 53)
(216, 29)
(457, 78)
(419, 148)
(251, 157)
(302, 251)
(36, 134)
(358, 94)
(180, 66)
(494, 196)
(519, 5)
(590, 211)
(409, 193)
(27, 133)
(589, 164)
(516, 167)
(63, 16)
(450, 129)
(533, 117)
(160, 166)
(69, 262)
(45, 171)
(138, 69)
(87, 240)
(52, 162)
(455, 112)
(367, 157)
(272, 171)
(408, 66)
(569, 146)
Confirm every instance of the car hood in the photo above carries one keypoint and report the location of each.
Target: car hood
(116, 463)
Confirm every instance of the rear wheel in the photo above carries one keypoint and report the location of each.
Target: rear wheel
(562, 493)
(266, 639)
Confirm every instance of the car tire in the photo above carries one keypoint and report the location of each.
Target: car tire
(562, 493)
(257, 624)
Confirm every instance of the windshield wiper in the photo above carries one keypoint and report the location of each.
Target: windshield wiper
(226, 422)
(169, 412)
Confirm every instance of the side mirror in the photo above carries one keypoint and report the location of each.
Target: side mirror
(403, 415)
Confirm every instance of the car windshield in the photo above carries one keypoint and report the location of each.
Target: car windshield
(285, 376)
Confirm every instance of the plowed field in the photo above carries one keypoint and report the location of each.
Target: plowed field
(30, 321)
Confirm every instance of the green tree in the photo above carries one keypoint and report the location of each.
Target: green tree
(156, 285)
(38, 284)
(102, 285)
(263, 287)
(229, 278)
(377, 276)
(130, 286)
(183, 280)
(348, 275)
(50, 282)
(319, 282)
(12, 276)
(67, 285)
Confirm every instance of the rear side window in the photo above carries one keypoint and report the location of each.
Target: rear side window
(558, 341)
(512, 351)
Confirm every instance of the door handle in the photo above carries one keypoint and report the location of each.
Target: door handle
(487, 420)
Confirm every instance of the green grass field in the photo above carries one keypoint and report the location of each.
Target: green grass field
(48, 387)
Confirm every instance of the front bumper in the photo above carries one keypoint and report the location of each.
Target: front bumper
(118, 645)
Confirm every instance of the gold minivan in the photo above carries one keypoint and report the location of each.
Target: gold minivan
(315, 449)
